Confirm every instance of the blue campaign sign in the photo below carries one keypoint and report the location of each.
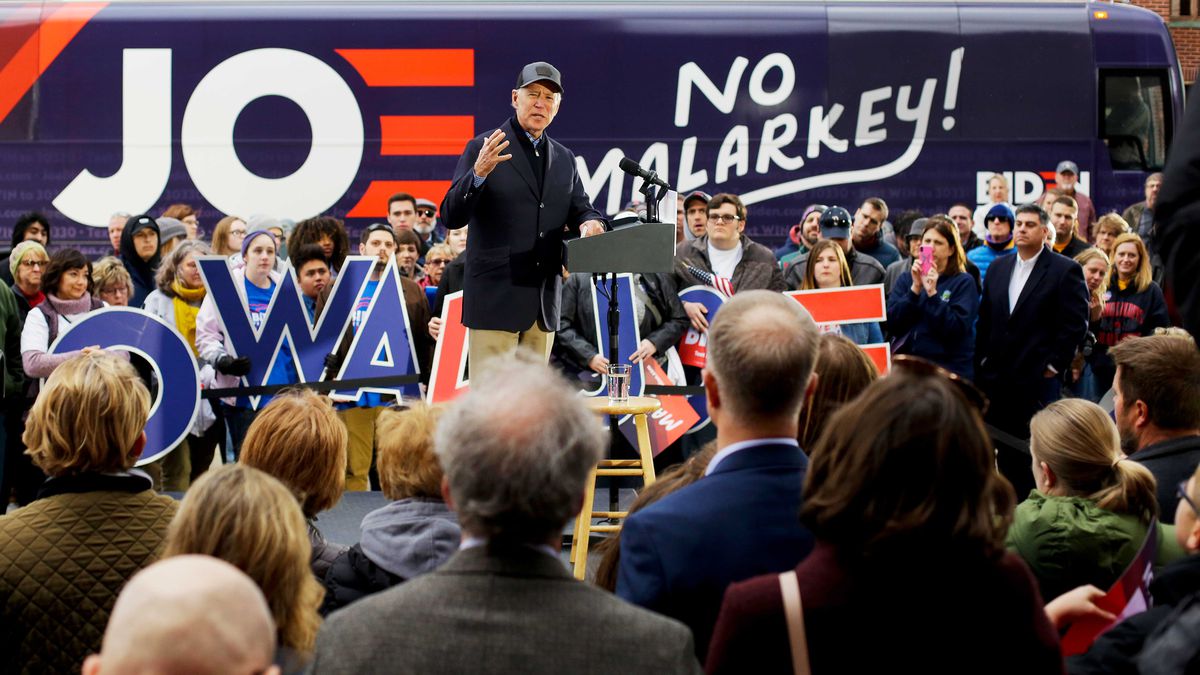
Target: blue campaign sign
(286, 322)
(712, 300)
(628, 335)
(141, 333)
(383, 343)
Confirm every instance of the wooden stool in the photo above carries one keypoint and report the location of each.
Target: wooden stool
(639, 407)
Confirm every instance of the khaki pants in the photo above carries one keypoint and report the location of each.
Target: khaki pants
(488, 347)
(360, 423)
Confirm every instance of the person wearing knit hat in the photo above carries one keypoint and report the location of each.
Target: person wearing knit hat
(140, 254)
(27, 277)
(263, 223)
(171, 231)
(999, 240)
(257, 281)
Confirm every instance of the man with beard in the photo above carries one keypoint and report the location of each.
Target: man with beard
(1156, 403)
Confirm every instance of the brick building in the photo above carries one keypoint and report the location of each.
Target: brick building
(1183, 19)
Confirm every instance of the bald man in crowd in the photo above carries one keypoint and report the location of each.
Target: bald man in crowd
(188, 614)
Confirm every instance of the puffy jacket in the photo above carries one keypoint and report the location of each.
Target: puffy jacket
(1069, 541)
(983, 256)
(402, 540)
(63, 560)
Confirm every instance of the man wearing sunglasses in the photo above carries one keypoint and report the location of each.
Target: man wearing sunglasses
(426, 226)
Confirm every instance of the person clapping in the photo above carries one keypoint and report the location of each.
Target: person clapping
(934, 316)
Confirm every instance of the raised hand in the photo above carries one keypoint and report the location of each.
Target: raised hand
(489, 154)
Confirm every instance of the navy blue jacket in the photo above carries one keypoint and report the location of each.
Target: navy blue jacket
(679, 554)
(516, 256)
(940, 328)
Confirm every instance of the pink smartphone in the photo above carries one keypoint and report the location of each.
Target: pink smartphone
(926, 259)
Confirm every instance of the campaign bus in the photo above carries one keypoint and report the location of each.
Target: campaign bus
(295, 109)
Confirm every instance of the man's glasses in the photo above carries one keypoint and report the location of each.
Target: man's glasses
(1182, 493)
(723, 218)
(425, 213)
(34, 263)
(925, 368)
(437, 261)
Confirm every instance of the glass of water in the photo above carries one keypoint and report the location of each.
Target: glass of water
(618, 382)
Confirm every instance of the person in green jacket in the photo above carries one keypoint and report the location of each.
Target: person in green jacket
(1091, 510)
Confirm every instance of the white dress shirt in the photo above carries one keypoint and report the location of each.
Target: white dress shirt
(1020, 275)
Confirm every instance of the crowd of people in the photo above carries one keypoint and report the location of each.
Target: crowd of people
(975, 500)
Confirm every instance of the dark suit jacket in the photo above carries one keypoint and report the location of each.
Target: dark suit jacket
(1044, 329)
(452, 282)
(515, 260)
(516, 611)
(679, 554)
(575, 342)
(1171, 461)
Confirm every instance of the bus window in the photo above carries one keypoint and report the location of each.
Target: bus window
(1134, 119)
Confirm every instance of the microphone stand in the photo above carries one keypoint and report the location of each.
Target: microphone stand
(653, 196)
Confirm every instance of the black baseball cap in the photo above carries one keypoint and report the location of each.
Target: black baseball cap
(540, 71)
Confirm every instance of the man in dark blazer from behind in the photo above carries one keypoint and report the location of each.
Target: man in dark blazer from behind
(520, 193)
(742, 518)
(516, 451)
(1032, 317)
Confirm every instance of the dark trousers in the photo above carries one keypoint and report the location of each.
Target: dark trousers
(203, 447)
(1012, 404)
(21, 478)
(239, 420)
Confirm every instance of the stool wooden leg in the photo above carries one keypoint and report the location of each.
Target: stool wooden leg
(583, 528)
(644, 449)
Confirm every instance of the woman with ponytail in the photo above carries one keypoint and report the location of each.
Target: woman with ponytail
(1092, 509)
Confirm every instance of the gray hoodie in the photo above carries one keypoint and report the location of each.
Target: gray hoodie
(410, 537)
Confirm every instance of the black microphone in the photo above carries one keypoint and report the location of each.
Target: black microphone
(633, 169)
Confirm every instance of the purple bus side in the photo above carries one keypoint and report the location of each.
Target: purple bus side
(783, 104)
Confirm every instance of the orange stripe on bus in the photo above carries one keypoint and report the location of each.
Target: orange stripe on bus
(413, 67)
(425, 135)
(374, 201)
(32, 59)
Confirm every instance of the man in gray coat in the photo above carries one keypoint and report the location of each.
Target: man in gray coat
(516, 452)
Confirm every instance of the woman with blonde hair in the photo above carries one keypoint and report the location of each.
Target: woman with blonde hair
(1108, 228)
(416, 532)
(250, 520)
(1134, 305)
(111, 281)
(1095, 264)
(299, 439)
(177, 301)
(96, 521)
(1091, 510)
(826, 267)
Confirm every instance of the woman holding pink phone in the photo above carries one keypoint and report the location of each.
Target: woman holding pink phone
(934, 316)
